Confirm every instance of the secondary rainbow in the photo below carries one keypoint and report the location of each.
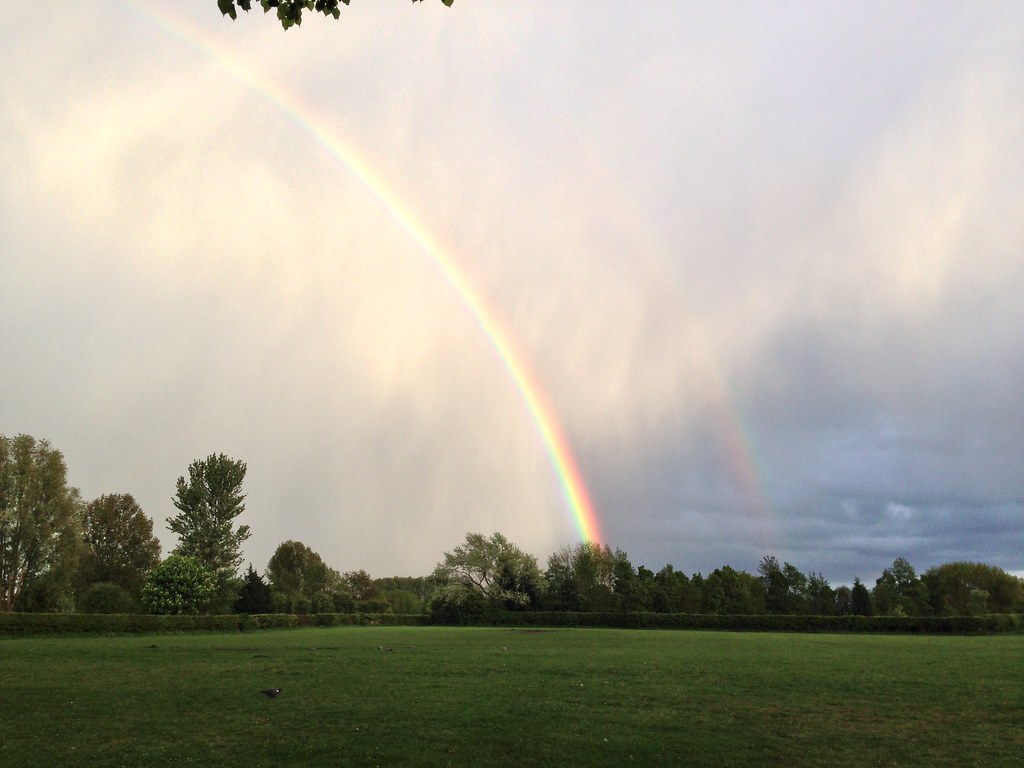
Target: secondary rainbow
(537, 403)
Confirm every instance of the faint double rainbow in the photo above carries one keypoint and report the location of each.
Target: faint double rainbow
(539, 406)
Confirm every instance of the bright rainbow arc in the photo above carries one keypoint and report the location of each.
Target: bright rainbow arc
(540, 409)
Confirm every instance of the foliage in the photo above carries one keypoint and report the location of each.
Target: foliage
(727, 591)
(403, 601)
(360, 585)
(483, 616)
(673, 591)
(40, 526)
(899, 592)
(843, 600)
(860, 599)
(209, 501)
(303, 583)
(106, 597)
(970, 589)
(289, 12)
(120, 547)
(820, 597)
(255, 595)
(421, 586)
(581, 578)
(455, 604)
(785, 586)
(179, 585)
(493, 569)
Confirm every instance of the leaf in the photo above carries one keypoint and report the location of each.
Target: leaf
(227, 8)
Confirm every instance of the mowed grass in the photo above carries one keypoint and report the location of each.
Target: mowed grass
(426, 696)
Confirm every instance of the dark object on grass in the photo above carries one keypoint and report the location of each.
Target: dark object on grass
(271, 693)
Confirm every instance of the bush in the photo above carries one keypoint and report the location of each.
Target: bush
(106, 597)
(179, 585)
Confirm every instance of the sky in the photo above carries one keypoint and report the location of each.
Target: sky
(763, 263)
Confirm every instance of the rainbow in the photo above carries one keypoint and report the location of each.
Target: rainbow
(538, 405)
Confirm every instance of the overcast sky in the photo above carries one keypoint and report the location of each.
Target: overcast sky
(766, 260)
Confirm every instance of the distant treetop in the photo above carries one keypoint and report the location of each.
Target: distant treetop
(289, 12)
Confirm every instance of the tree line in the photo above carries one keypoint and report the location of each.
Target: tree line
(60, 553)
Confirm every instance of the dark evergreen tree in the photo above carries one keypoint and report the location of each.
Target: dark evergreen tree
(860, 599)
(255, 595)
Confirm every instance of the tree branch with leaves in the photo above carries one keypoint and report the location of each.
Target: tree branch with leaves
(289, 12)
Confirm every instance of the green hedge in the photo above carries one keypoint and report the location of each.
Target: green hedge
(957, 625)
(77, 623)
(81, 623)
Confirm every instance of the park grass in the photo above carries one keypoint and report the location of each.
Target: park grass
(432, 696)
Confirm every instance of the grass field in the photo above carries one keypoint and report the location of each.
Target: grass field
(426, 696)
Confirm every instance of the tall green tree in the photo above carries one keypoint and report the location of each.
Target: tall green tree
(784, 585)
(289, 12)
(673, 591)
(731, 592)
(965, 589)
(120, 547)
(209, 502)
(40, 526)
(860, 599)
(302, 582)
(899, 591)
(820, 597)
(581, 578)
(491, 568)
(844, 600)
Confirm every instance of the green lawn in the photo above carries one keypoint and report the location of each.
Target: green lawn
(411, 696)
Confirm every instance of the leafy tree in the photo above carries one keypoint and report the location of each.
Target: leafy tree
(860, 599)
(641, 596)
(581, 578)
(180, 584)
(784, 585)
(967, 589)
(454, 603)
(631, 594)
(844, 600)
(209, 501)
(289, 12)
(361, 585)
(731, 592)
(899, 592)
(302, 582)
(821, 598)
(106, 597)
(120, 547)
(421, 586)
(493, 568)
(255, 595)
(403, 601)
(674, 592)
(40, 526)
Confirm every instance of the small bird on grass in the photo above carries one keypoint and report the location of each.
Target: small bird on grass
(271, 693)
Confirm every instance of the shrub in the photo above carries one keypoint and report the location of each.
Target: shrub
(106, 597)
(178, 585)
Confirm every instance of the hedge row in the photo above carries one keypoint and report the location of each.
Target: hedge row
(939, 625)
(77, 623)
(81, 623)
